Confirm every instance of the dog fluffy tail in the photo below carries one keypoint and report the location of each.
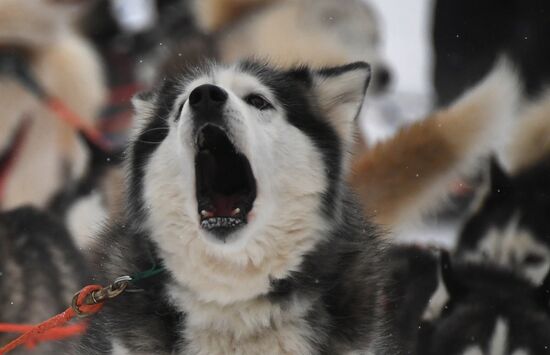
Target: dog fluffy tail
(212, 15)
(407, 176)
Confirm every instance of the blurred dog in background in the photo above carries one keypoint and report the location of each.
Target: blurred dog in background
(40, 153)
(509, 225)
(317, 33)
(40, 270)
(487, 310)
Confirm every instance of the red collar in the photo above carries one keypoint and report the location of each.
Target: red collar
(10, 155)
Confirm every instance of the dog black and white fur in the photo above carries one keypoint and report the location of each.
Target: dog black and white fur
(489, 311)
(40, 269)
(236, 187)
(510, 227)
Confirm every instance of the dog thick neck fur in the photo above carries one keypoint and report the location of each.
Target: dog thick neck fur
(236, 185)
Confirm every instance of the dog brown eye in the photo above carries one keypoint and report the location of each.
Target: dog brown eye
(257, 101)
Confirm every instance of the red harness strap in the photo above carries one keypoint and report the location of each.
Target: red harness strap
(53, 327)
(86, 302)
(75, 121)
(51, 335)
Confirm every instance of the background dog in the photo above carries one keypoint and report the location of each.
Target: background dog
(509, 225)
(289, 33)
(40, 269)
(488, 311)
(50, 152)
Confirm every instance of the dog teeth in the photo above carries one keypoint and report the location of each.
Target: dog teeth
(236, 211)
(206, 214)
(219, 222)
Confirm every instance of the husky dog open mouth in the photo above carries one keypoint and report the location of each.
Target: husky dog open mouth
(236, 186)
(226, 188)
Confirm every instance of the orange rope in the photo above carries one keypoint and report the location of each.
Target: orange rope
(52, 334)
(52, 328)
(75, 121)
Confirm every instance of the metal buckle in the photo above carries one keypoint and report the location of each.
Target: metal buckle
(113, 290)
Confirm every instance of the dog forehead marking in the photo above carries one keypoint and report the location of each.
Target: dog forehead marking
(509, 245)
(241, 83)
(499, 339)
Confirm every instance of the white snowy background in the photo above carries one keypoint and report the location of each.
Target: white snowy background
(405, 33)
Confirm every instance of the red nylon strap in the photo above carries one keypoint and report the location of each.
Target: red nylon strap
(52, 328)
(66, 114)
(51, 335)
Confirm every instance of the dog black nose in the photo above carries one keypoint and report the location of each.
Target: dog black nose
(207, 96)
(382, 77)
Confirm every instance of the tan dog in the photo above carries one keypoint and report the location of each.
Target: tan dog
(50, 153)
(317, 33)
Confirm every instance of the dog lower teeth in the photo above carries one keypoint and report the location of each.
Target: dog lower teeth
(236, 211)
(221, 222)
(206, 214)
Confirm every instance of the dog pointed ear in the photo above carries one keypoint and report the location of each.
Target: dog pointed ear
(142, 101)
(341, 91)
(499, 180)
(452, 284)
(144, 107)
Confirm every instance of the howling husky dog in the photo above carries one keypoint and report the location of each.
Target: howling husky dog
(236, 187)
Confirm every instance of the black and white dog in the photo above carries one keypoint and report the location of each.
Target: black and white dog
(40, 269)
(236, 187)
(510, 227)
(489, 311)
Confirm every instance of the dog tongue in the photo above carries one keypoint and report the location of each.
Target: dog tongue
(224, 205)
